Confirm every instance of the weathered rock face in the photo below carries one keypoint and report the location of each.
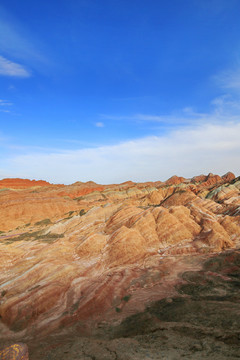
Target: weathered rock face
(78, 262)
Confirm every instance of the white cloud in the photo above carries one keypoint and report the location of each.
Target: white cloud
(187, 152)
(9, 68)
(200, 143)
(99, 124)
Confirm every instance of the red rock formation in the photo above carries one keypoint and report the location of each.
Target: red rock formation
(28, 207)
(13, 183)
(79, 189)
(212, 180)
(174, 180)
(73, 261)
(199, 179)
(228, 177)
(181, 197)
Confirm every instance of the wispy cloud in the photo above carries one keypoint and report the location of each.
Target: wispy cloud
(20, 44)
(99, 124)
(10, 68)
(224, 108)
(229, 79)
(14, 42)
(134, 117)
(187, 152)
(201, 143)
(4, 104)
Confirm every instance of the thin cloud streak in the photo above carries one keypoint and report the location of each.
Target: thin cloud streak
(18, 42)
(21, 44)
(143, 117)
(14, 42)
(229, 79)
(224, 107)
(187, 152)
(5, 103)
(10, 68)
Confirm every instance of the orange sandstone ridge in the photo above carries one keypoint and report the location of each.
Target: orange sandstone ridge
(86, 257)
(14, 183)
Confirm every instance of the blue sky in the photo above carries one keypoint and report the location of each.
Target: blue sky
(116, 90)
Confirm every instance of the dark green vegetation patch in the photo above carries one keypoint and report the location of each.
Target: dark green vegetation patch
(126, 298)
(43, 222)
(82, 212)
(34, 236)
